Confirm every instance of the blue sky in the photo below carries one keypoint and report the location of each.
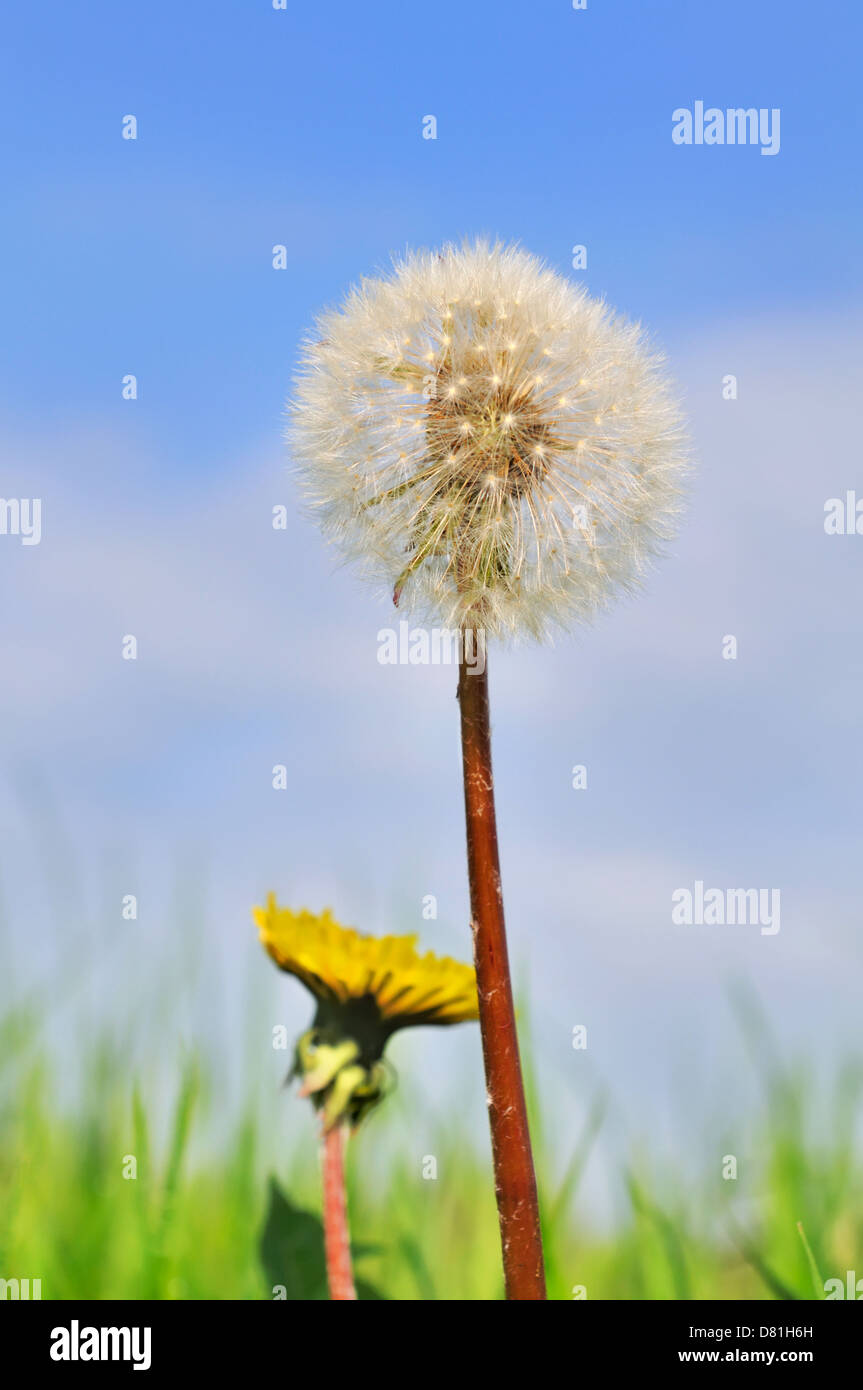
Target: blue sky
(303, 127)
(259, 127)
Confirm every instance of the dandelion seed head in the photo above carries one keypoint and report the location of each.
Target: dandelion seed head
(450, 467)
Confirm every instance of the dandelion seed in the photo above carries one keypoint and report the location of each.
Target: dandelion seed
(499, 564)
(473, 529)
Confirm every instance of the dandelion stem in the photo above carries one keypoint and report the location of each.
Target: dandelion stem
(515, 1180)
(337, 1241)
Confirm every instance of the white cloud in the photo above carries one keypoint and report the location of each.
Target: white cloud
(255, 647)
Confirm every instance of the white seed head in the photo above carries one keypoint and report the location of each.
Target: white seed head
(497, 448)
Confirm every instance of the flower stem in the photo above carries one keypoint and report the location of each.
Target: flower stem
(515, 1180)
(337, 1241)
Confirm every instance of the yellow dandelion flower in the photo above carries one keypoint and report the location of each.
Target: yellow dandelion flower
(366, 988)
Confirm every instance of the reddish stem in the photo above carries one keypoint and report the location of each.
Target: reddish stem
(337, 1241)
(515, 1180)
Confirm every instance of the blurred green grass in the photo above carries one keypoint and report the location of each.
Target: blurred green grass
(218, 1220)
